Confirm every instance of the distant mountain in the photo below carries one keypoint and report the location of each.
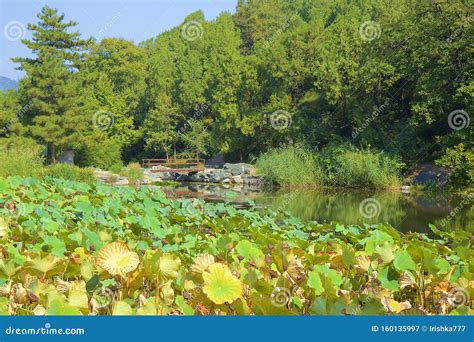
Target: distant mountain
(6, 83)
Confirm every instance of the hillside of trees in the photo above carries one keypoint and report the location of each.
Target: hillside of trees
(394, 76)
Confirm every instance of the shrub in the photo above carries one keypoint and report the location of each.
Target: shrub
(291, 165)
(461, 163)
(367, 169)
(20, 158)
(103, 153)
(116, 168)
(69, 172)
(341, 165)
(133, 172)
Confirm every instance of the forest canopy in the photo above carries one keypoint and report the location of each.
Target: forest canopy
(395, 76)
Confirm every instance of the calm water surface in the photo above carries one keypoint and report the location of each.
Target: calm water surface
(406, 212)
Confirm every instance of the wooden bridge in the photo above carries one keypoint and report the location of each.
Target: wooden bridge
(174, 165)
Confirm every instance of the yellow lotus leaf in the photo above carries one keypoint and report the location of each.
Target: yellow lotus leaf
(168, 267)
(363, 262)
(3, 227)
(117, 259)
(202, 263)
(78, 295)
(220, 285)
(295, 268)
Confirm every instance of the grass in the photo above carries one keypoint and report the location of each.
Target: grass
(133, 172)
(69, 172)
(291, 165)
(17, 161)
(27, 162)
(299, 166)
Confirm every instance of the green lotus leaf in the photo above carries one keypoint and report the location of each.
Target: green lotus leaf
(389, 278)
(220, 285)
(385, 251)
(249, 251)
(324, 306)
(314, 282)
(403, 261)
(4, 306)
(59, 307)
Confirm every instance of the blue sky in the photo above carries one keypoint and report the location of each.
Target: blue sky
(134, 20)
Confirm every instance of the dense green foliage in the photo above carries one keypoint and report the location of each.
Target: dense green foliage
(24, 161)
(291, 165)
(344, 166)
(384, 74)
(70, 248)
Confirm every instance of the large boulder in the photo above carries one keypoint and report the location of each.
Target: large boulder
(238, 169)
(430, 173)
(217, 176)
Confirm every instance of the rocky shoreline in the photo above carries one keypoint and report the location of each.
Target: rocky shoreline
(239, 174)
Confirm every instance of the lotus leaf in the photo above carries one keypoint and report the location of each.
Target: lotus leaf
(220, 285)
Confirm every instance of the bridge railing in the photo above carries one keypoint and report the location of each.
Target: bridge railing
(174, 164)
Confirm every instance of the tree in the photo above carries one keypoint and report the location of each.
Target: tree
(196, 138)
(50, 87)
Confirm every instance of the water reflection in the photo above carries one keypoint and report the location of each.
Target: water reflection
(406, 212)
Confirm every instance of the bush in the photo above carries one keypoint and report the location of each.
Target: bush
(102, 153)
(291, 165)
(69, 172)
(341, 165)
(133, 172)
(367, 169)
(116, 168)
(20, 158)
(461, 163)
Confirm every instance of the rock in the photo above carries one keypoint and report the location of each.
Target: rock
(238, 169)
(405, 189)
(430, 173)
(216, 162)
(217, 176)
(122, 181)
(237, 179)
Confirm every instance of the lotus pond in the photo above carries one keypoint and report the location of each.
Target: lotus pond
(69, 248)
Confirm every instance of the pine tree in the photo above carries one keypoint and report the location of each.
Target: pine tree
(51, 85)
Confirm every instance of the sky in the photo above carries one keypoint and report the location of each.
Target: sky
(135, 20)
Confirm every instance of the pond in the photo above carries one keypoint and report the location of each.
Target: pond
(404, 211)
